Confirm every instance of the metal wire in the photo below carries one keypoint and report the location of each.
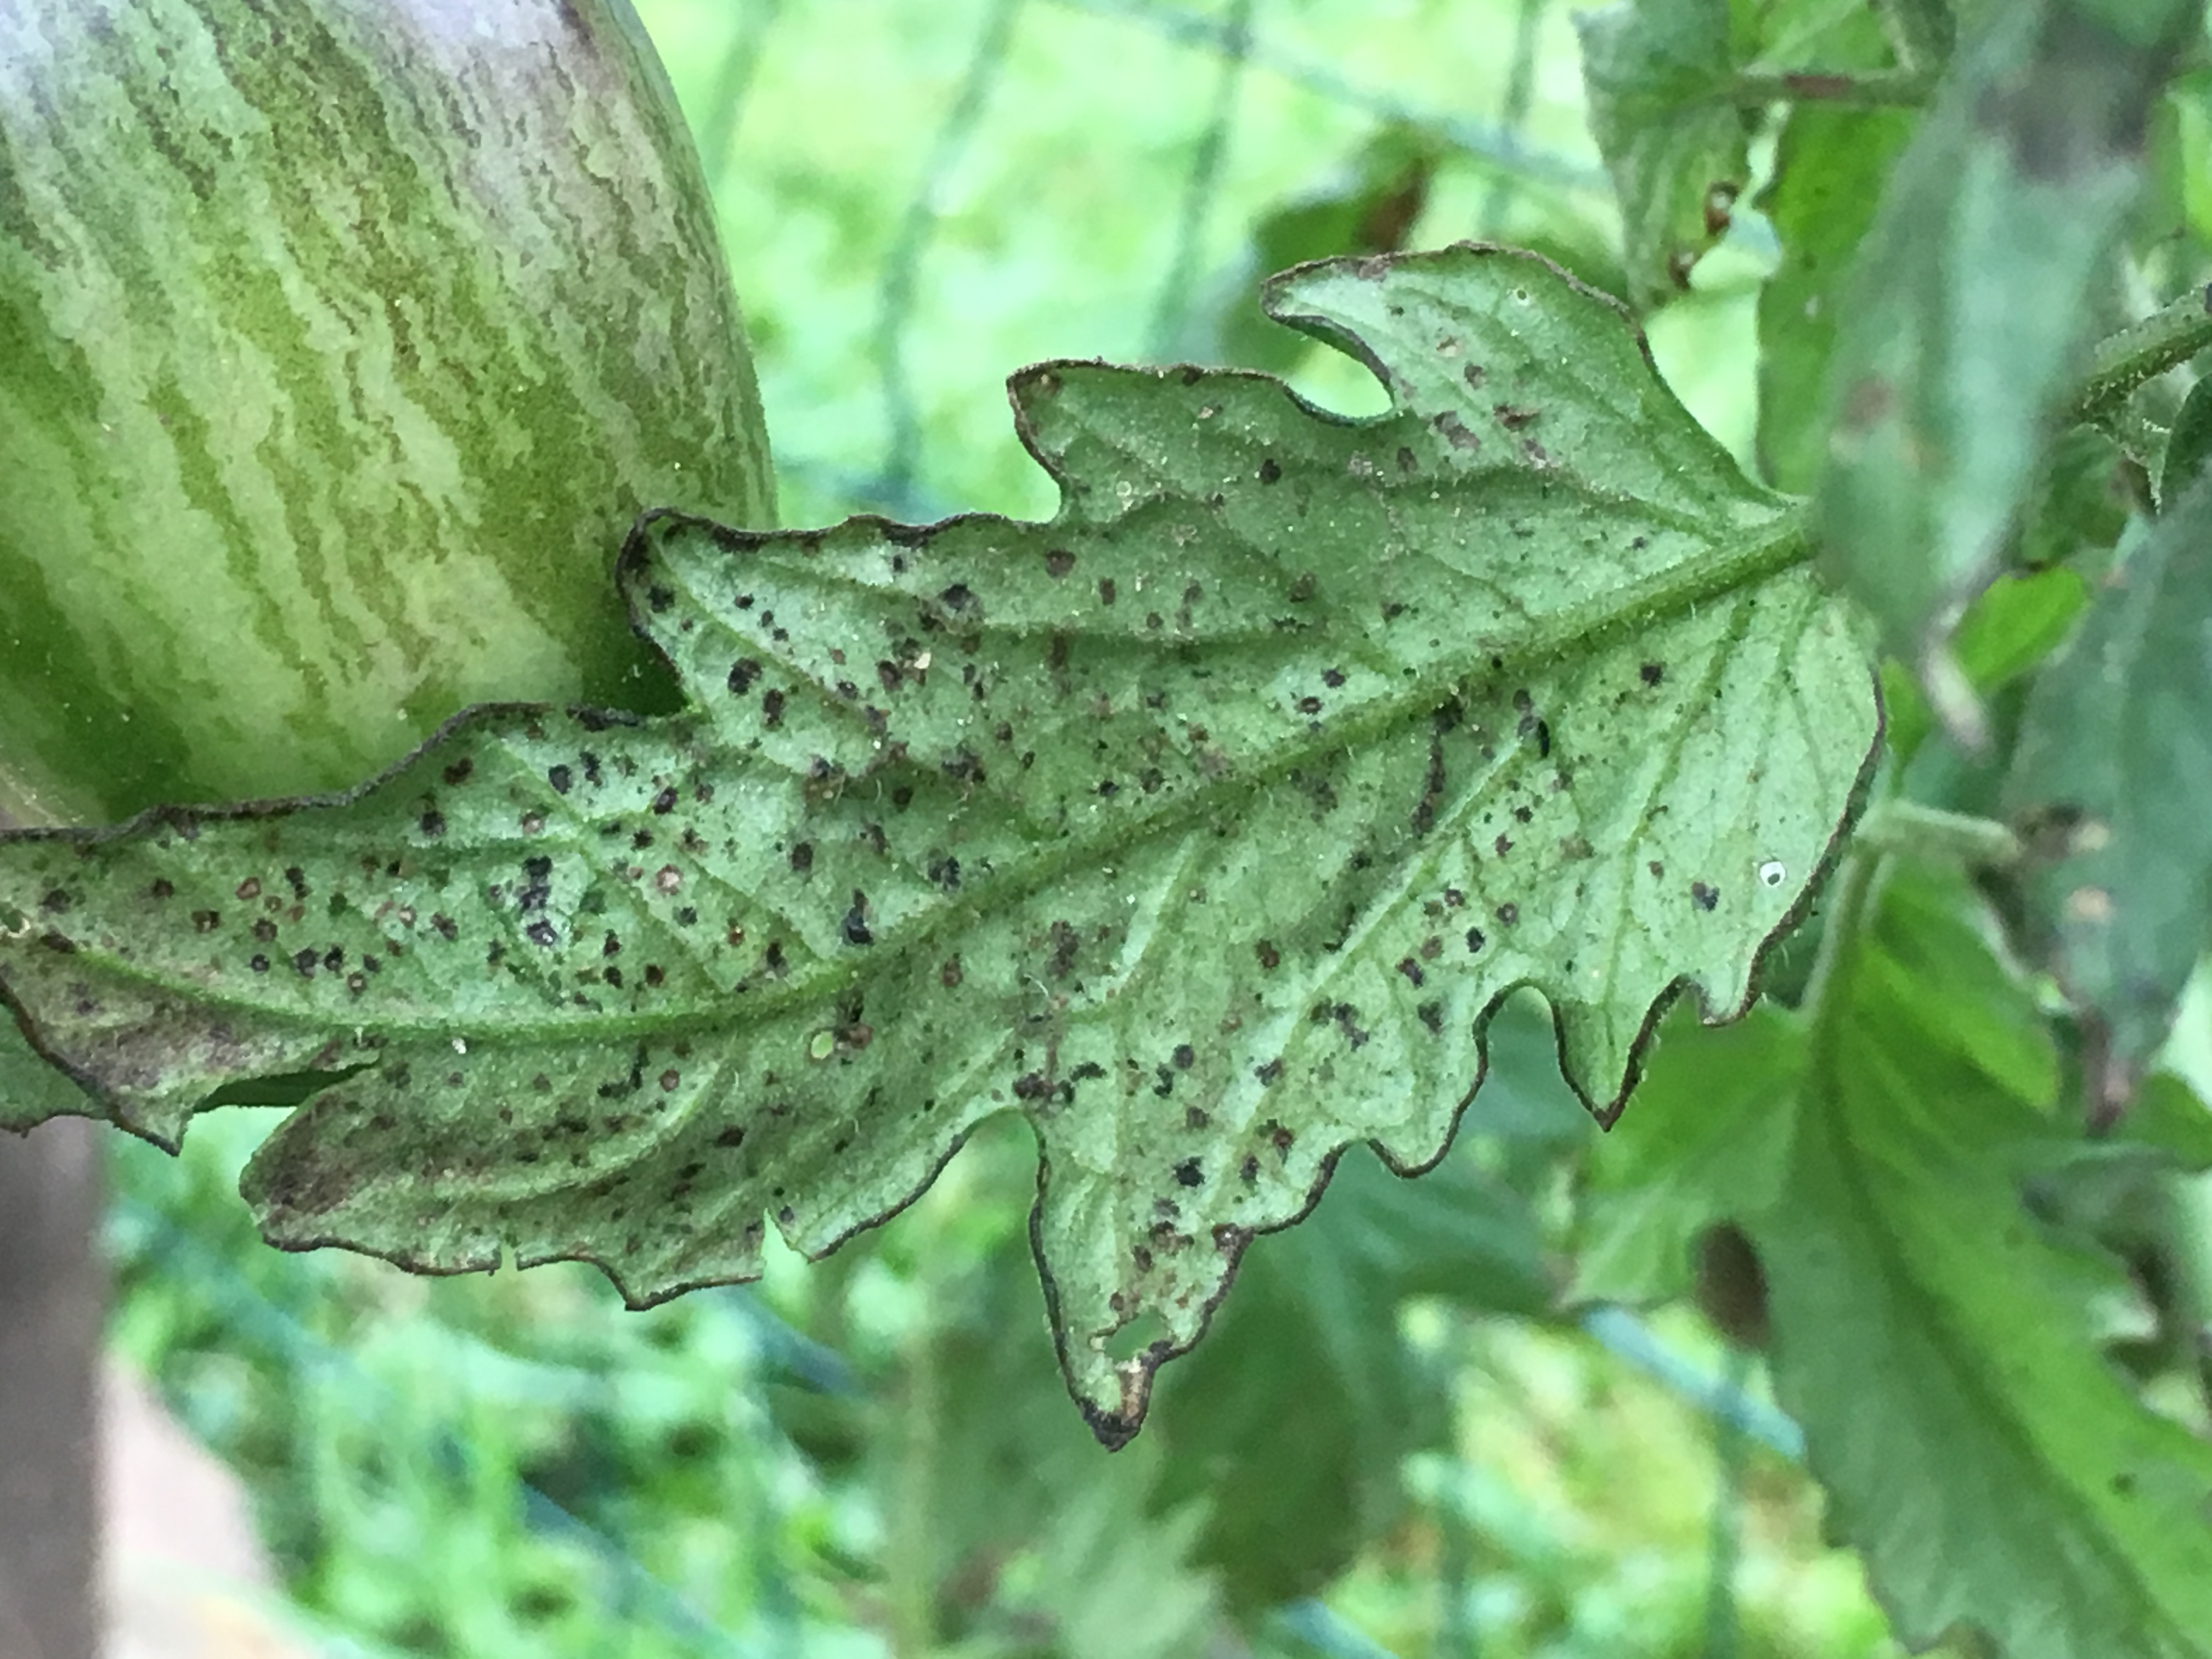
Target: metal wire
(917, 228)
(1198, 191)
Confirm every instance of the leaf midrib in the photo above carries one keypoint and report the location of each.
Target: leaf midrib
(1728, 565)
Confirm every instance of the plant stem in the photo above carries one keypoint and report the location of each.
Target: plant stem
(2139, 352)
(1849, 901)
(1885, 89)
(1928, 835)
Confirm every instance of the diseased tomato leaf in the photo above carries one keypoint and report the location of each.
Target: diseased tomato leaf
(1204, 825)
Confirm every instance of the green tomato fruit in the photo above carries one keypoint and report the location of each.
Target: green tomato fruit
(340, 342)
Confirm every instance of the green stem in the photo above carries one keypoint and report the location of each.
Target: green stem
(1928, 835)
(1887, 90)
(2139, 352)
(1848, 903)
(910, 1552)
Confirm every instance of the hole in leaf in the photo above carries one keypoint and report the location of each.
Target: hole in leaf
(1135, 1337)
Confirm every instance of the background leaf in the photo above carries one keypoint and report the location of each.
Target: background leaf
(1660, 74)
(1971, 295)
(31, 1091)
(1935, 1342)
(2107, 781)
(1706, 1140)
(1305, 1399)
(1830, 166)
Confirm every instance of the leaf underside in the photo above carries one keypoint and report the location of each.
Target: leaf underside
(1204, 825)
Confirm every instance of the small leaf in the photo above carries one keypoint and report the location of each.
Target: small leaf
(2112, 781)
(1934, 1342)
(1659, 75)
(1970, 298)
(1204, 825)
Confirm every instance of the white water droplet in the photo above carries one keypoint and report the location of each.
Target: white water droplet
(1773, 872)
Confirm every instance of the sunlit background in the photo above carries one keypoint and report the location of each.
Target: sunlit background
(1398, 1440)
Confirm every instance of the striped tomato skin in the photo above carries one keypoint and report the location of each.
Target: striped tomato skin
(340, 342)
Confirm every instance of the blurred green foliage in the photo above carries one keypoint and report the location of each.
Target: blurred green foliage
(1402, 1437)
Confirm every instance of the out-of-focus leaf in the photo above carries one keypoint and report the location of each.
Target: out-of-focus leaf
(2013, 624)
(1968, 299)
(1304, 1400)
(1368, 207)
(1659, 74)
(1204, 825)
(31, 1091)
(2168, 1115)
(995, 1495)
(1935, 1342)
(1830, 166)
(2112, 783)
(2187, 442)
(2078, 503)
(1706, 1140)
(1523, 1103)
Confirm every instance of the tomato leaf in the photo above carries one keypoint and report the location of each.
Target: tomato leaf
(1934, 1339)
(1830, 166)
(2105, 779)
(31, 1091)
(1709, 1137)
(1969, 299)
(1205, 825)
(1659, 75)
